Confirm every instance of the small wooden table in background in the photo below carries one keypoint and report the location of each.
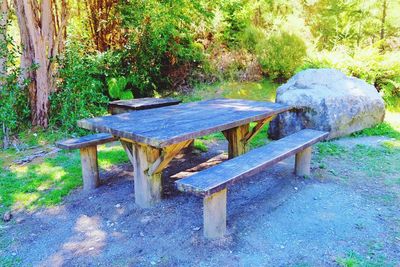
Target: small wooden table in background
(153, 137)
(121, 106)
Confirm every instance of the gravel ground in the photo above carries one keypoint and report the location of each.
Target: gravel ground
(274, 219)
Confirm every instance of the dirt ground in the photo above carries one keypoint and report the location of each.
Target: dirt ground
(274, 219)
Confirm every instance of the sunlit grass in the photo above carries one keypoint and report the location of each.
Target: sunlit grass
(390, 127)
(45, 183)
(263, 91)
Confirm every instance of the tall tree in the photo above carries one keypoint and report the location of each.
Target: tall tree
(383, 19)
(42, 27)
(104, 24)
(3, 58)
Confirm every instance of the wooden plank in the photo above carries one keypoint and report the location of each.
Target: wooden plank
(256, 129)
(174, 124)
(303, 162)
(121, 106)
(90, 171)
(218, 177)
(167, 155)
(214, 214)
(237, 144)
(147, 187)
(85, 141)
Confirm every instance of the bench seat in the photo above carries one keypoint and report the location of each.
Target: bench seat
(88, 150)
(85, 141)
(212, 183)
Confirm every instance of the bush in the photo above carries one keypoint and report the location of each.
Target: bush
(161, 48)
(250, 37)
(281, 54)
(14, 107)
(82, 90)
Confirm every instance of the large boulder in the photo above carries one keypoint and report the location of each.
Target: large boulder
(328, 100)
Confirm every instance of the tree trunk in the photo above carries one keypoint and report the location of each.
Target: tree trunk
(104, 25)
(42, 39)
(3, 60)
(383, 19)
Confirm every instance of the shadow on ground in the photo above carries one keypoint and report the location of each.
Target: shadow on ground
(274, 219)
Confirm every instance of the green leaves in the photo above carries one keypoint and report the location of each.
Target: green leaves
(116, 88)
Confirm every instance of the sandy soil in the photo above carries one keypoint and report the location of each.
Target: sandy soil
(274, 219)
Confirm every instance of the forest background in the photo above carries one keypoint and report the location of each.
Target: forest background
(63, 60)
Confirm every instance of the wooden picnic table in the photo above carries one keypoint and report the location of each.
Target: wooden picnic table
(152, 138)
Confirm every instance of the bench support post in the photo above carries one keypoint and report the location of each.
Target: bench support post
(303, 160)
(236, 138)
(214, 215)
(90, 171)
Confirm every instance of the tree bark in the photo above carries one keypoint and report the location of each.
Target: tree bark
(104, 25)
(42, 40)
(383, 19)
(3, 60)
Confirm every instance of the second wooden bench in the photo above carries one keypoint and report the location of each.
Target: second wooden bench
(212, 183)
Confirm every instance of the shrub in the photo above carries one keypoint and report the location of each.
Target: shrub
(14, 107)
(161, 49)
(82, 90)
(281, 54)
(250, 37)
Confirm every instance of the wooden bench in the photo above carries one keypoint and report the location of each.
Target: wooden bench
(88, 148)
(88, 144)
(212, 183)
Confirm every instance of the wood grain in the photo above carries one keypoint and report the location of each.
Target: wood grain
(214, 214)
(121, 106)
(85, 141)
(165, 126)
(90, 172)
(218, 177)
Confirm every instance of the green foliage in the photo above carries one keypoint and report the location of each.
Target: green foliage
(329, 149)
(14, 107)
(161, 46)
(382, 129)
(251, 37)
(82, 90)
(116, 88)
(199, 144)
(281, 54)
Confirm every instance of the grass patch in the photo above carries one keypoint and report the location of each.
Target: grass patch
(46, 183)
(199, 145)
(354, 259)
(329, 149)
(382, 129)
(263, 90)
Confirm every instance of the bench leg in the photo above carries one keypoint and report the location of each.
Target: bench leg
(147, 186)
(90, 170)
(303, 160)
(214, 215)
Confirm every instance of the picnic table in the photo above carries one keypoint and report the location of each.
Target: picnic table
(152, 138)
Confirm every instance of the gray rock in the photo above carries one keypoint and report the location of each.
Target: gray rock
(7, 216)
(328, 100)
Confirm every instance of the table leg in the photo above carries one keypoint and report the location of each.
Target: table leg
(147, 186)
(148, 163)
(236, 138)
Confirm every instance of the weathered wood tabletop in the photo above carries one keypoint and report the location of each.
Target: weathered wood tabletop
(122, 106)
(173, 124)
(153, 137)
